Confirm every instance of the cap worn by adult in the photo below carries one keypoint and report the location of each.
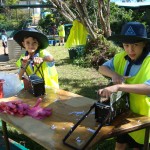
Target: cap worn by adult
(132, 32)
(31, 32)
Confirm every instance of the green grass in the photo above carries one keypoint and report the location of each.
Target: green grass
(73, 78)
(76, 79)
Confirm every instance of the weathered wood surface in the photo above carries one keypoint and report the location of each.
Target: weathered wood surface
(68, 108)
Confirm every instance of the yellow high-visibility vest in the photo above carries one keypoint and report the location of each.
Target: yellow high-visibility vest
(139, 104)
(61, 31)
(49, 72)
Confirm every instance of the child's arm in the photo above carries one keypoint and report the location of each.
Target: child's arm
(142, 89)
(49, 58)
(24, 61)
(21, 72)
(116, 78)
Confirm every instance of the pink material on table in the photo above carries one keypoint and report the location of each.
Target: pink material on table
(21, 109)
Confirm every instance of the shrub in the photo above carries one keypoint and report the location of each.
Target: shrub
(100, 50)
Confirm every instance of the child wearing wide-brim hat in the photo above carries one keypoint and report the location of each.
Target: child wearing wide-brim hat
(130, 72)
(132, 32)
(31, 32)
(35, 44)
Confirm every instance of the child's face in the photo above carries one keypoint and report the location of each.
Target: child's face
(135, 50)
(30, 44)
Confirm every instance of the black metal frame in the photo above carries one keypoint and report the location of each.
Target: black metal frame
(104, 115)
(78, 123)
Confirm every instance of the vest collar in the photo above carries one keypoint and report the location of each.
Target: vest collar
(35, 55)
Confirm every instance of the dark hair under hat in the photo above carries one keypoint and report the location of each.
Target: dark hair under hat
(3, 30)
(31, 32)
(132, 32)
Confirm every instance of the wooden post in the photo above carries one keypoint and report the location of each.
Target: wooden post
(147, 137)
(5, 133)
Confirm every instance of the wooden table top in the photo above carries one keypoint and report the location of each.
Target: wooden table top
(67, 109)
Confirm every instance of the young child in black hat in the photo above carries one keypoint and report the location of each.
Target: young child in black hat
(35, 43)
(129, 70)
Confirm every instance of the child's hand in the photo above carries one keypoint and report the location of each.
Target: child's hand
(106, 92)
(117, 79)
(24, 60)
(38, 60)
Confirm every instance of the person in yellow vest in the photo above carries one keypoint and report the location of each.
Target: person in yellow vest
(35, 44)
(61, 33)
(129, 70)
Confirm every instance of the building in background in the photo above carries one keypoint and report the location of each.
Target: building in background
(29, 7)
(132, 3)
(34, 13)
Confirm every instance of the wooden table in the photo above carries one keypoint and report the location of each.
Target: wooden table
(68, 108)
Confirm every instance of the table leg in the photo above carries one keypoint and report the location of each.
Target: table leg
(5, 133)
(147, 137)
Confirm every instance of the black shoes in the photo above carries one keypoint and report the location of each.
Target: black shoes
(62, 45)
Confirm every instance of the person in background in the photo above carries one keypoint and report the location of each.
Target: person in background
(4, 41)
(61, 33)
(54, 32)
(35, 44)
(129, 70)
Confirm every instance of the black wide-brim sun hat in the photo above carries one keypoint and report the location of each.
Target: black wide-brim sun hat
(132, 32)
(31, 32)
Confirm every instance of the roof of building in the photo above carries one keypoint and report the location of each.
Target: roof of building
(133, 4)
(27, 6)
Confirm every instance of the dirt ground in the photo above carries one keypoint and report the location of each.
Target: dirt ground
(6, 64)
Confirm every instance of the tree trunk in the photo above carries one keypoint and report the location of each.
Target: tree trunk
(63, 9)
(84, 19)
(82, 14)
(104, 14)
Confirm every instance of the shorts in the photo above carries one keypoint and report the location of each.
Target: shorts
(4, 44)
(125, 138)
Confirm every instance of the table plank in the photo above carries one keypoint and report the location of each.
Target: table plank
(49, 132)
(68, 108)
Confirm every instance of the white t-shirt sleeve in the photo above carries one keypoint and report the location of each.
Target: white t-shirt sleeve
(4, 38)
